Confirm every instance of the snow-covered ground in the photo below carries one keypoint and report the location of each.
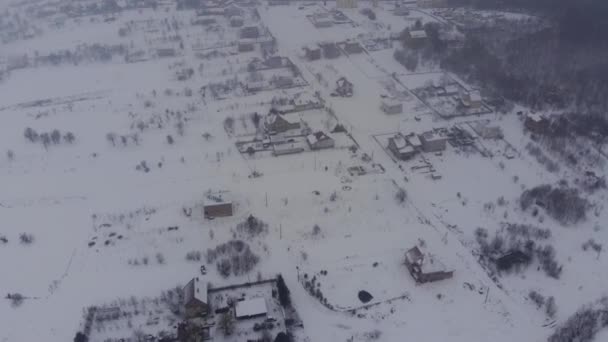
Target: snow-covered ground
(96, 213)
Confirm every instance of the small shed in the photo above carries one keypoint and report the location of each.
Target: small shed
(391, 106)
(433, 141)
(217, 204)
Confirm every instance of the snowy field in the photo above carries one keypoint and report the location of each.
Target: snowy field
(112, 212)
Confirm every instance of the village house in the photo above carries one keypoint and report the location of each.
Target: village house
(282, 81)
(288, 148)
(277, 123)
(274, 62)
(250, 32)
(319, 140)
(536, 123)
(166, 52)
(306, 101)
(236, 21)
(330, 50)
(432, 3)
(414, 141)
(322, 20)
(425, 270)
(352, 47)
(487, 131)
(312, 52)
(217, 204)
(471, 99)
(245, 45)
(401, 11)
(391, 106)
(433, 141)
(195, 298)
(347, 3)
(399, 146)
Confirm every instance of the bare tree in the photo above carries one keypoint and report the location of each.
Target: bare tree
(69, 137)
(30, 134)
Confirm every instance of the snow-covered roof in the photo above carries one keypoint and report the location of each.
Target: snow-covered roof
(418, 34)
(220, 197)
(195, 289)
(414, 140)
(391, 102)
(251, 307)
(475, 96)
(399, 141)
(536, 117)
(432, 136)
(316, 137)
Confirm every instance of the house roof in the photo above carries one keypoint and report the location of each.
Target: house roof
(399, 141)
(475, 96)
(251, 307)
(418, 34)
(536, 117)
(413, 140)
(428, 263)
(196, 289)
(220, 197)
(432, 136)
(316, 137)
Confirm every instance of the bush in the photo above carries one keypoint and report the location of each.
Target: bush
(31, 135)
(537, 298)
(562, 204)
(580, 327)
(26, 239)
(316, 230)
(160, 258)
(193, 256)
(80, 337)
(401, 195)
(551, 307)
(252, 226)
(224, 267)
(15, 298)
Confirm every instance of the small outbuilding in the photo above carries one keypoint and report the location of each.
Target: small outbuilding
(391, 106)
(217, 204)
(251, 308)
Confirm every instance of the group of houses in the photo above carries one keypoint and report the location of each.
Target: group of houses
(277, 128)
(406, 146)
(203, 308)
(331, 50)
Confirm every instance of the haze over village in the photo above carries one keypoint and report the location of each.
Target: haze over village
(303, 171)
